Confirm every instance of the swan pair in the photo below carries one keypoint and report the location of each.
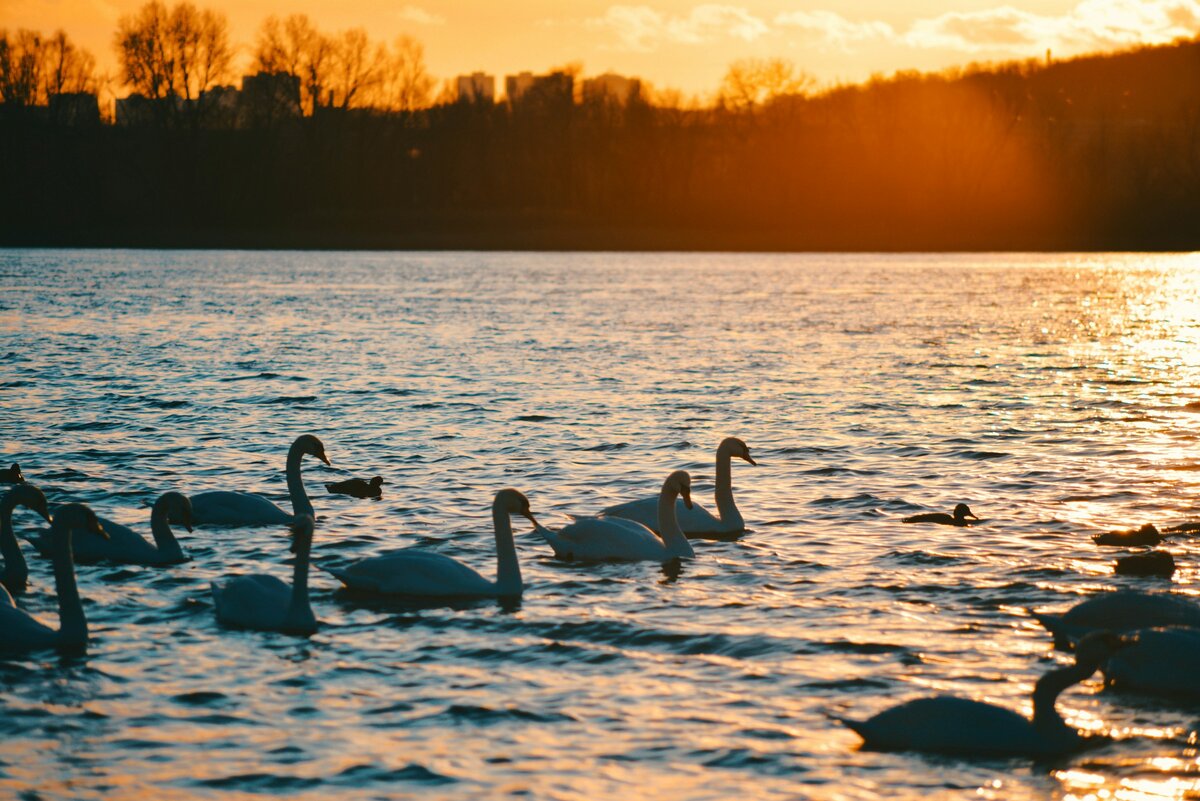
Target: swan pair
(20, 632)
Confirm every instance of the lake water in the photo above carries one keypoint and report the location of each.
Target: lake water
(1058, 395)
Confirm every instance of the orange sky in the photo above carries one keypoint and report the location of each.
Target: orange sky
(682, 43)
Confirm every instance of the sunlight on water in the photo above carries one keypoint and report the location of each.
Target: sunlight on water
(1057, 395)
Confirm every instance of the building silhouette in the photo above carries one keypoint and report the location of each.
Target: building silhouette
(478, 87)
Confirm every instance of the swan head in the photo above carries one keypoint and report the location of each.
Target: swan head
(680, 483)
(962, 512)
(179, 508)
(311, 446)
(735, 447)
(514, 503)
(302, 533)
(76, 516)
(30, 497)
(1097, 646)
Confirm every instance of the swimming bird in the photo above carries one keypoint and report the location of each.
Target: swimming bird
(946, 724)
(1157, 661)
(1146, 535)
(12, 475)
(15, 577)
(125, 546)
(357, 487)
(264, 602)
(1122, 611)
(696, 521)
(419, 573)
(602, 539)
(19, 631)
(224, 508)
(1152, 563)
(961, 513)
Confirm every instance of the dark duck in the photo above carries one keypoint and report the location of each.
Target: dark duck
(357, 487)
(959, 518)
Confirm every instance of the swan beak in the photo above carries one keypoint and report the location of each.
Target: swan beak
(45, 513)
(531, 518)
(687, 498)
(324, 459)
(751, 461)
(99, 529)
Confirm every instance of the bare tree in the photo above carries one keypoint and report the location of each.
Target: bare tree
(357, 67)
(294, 45)
(405, 84)
(173, 53)
(67, 67)
(753, 82)
(21, 64)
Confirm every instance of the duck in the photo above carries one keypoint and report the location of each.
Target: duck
(20, 632)
(419, 573)
(1146, 535)
(615, 539)
(959, 518)
(266, 603)
(947, 724)
(357, 487)
(15, 578)
(124, 546)
(231, 508)
(1120, 612)
(12, 475)
(1157, 661)
(1151, 563)
(696, 521)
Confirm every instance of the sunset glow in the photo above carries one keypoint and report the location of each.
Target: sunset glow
(683, 44)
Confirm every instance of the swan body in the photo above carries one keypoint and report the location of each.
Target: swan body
(264, 602)
(959, 518)
(12, 475)
(1160, 661)
(1146, 535)
(614, 539)
(419, 573)
(20, 632)
(125, 546)
(357, 487)
(948, 725)
(15, 577)
(1120, 612)
(696, 521)
(227, 508)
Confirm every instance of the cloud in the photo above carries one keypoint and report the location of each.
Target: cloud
(644, 28)
(419, 16)
(830, 28)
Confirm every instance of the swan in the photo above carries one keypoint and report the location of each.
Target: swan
(417, 573)
(1158, 661)
(961, 513)
(266, 603)
(12, 475)
(224, 508)
(19, 631)
(945, 724)
(695, 520)
(1120, 612)
(357, 487)
(600, 539)
(125, 546)
(15, 577)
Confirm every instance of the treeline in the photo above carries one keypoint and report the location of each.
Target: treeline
(1093, 153)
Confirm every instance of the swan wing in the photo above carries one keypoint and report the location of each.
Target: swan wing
(253, 602)
(414, 573)
(1161, 661)
(604, 539)
(694, 522)
(21, 632)
(950, 725)
(123, 545)
(1121, 612)
(222, 508)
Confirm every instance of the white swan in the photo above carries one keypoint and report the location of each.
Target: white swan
(1120, 612)
(266, 603)
(15, 577)
(417, 573)
(125, 546)
(695, 520)
(614, 539)
(19, 631)
(946, 724)
(1157, 661)
(224, 508)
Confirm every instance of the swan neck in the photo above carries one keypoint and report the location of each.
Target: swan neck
(164, 538)
(508, 569)
(16, 571)
(300, 503)
(1046, 692)
(300, 612)
(726, 508)
(72, 628)
(674, 540)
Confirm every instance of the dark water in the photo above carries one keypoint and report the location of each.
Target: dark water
(1055, 394)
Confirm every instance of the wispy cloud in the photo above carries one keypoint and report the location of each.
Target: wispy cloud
(830, 28)
(419, 16)
(645, 28)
